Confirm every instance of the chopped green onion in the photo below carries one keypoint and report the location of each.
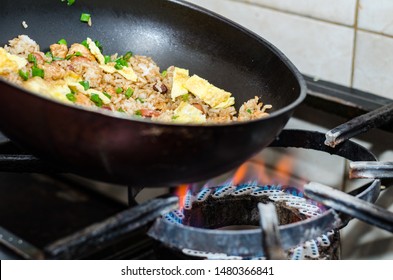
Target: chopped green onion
(37, 72)
(85, 84)
(119, 90)
(68, 57)
(97, 100)
(107, 95)
(84, 43)
(107, 59)
(164, 73)
(62, 42)
(138, 113)
(129, 92)
(98, 44)
(48, 54)
(71, 97)
(185, 97)
(127, 56)
(121, 110)
(118, 66)
(31, 58)
(140, 100)
(121, 61)
(249, 111)
(174, 117)
(70, 2)
(57, 58)
(85, 17)
(24, 75)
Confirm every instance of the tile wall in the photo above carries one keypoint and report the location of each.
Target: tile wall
(349, 42)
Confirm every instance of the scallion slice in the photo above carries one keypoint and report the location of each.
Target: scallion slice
(62, 42)
(129, 92)
(85, 17)
(127, 56)
(98, 44)
(70, 2)
(107, 95)
(37, 72)
(31, 58)
(97, 100)
(68, 57)
(119, 90)
(84, 43)
(121, 61)
(85, 84)
(138, 113)
(24, 75)
(71, 97)
(164, 73)
(107, 59)
(118, 66)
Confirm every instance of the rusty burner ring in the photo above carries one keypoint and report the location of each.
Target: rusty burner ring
(248, 242)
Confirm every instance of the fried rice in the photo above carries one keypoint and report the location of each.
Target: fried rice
(130, 84)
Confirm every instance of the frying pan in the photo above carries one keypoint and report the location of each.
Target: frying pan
(138, 152)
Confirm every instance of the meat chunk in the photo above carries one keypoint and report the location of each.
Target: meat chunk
(85, 52)
(59, 50)
(54, 71)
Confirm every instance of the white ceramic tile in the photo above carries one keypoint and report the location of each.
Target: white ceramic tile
(339, 11)
(376, 16)
(317, 48)
(374, 64)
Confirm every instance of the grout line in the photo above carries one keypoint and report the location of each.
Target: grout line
(355, 37)
(375, 33)
(248, 2)
(292, 13)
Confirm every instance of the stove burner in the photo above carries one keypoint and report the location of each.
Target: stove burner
(303, 223)
(229, 205)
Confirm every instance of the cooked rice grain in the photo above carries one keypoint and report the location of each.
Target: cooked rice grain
(151, 93)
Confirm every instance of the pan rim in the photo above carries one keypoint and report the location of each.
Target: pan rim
(121, 116)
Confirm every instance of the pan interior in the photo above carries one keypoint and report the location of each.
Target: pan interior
(172, 33)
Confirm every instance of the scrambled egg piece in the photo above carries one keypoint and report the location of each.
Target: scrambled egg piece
(180, 77)
(210, 94)
(75, 86)
(72, 77)
(10, 63)
(126, 72)
(95, 51)
(53, 89)
(187, 113)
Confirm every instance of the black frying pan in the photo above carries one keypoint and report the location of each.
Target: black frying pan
(138, 152)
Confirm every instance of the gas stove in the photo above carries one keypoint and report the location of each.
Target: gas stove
(46, 214)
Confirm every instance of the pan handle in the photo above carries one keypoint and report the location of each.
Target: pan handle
(358, 125)
(370, 170)
(351, 205)
(97, 235)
